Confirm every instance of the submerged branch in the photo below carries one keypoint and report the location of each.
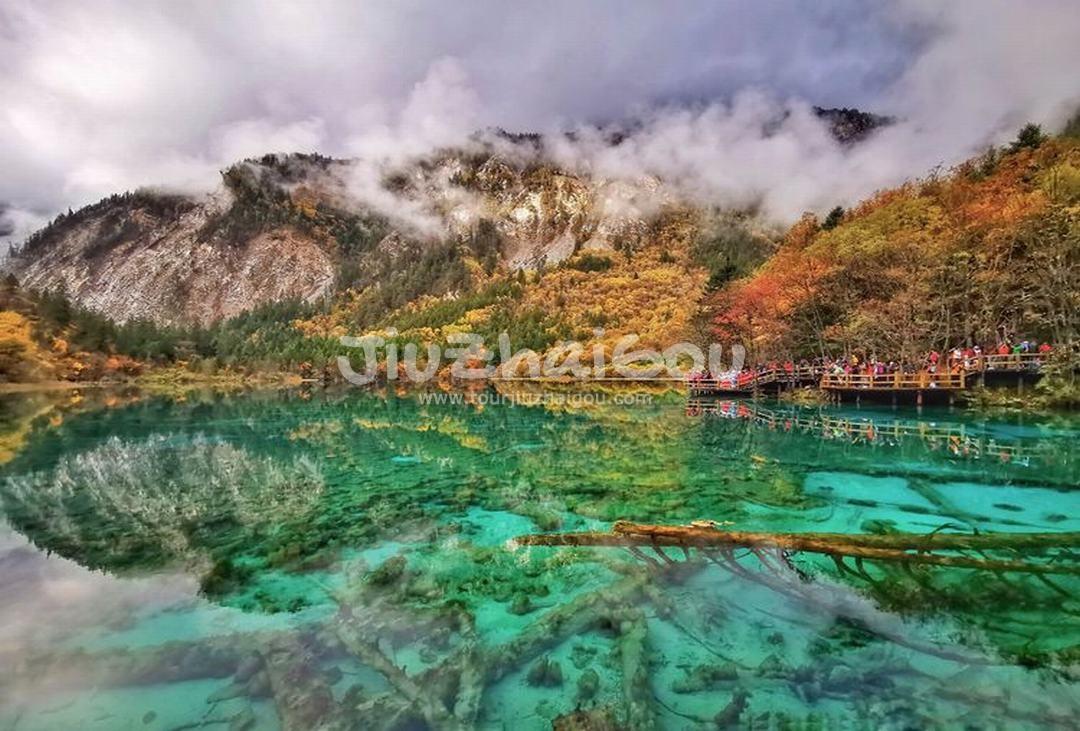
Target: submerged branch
(433, 711)
(633, 655)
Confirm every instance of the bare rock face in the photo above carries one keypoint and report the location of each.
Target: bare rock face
(544, 215)
(297, 227)
(286, 227)
(139, 259)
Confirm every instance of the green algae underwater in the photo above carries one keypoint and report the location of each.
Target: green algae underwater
(345, 561)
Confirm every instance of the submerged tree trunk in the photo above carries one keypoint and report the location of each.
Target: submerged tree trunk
(302, 695)
(633, 654)
(896, 547)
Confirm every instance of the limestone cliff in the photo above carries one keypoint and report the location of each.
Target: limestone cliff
(299, 227)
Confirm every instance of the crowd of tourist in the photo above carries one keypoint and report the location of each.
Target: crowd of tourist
(1010, 356)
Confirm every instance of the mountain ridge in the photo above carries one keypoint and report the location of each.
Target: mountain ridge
(285, 226)
(272, 234)
(548, 256)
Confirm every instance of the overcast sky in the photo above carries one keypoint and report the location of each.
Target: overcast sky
(105, 96)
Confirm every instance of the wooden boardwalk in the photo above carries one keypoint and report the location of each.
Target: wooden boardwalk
(750, 383)
(922, 381)
(1013, 367)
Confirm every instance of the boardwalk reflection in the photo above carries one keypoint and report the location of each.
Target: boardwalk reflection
(959, 440)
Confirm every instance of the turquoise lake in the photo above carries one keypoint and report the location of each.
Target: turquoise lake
(346, 561)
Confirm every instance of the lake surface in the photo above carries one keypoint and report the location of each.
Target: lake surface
(305, 560)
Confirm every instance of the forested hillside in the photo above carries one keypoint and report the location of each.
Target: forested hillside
(985, 252)
(989, 251)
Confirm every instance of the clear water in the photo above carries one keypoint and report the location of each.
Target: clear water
(343, 561)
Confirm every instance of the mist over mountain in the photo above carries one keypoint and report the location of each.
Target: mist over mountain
(367, 365)
(126, 96)
(307, 226)
(290, 190)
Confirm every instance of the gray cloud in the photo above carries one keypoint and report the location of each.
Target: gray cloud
(113, 95)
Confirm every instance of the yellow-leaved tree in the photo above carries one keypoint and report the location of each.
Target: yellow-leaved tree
(20, 357)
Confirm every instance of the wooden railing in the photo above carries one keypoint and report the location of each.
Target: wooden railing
(1009, 362)
(747, 381)
(946, 380)
(894, 381)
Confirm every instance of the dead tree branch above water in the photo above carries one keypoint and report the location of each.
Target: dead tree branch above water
(890, 547)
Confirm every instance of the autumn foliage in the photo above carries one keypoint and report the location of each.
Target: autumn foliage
(991, 251)
(20, 356)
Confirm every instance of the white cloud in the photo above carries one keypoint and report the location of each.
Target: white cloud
(113, 95)
(440, 110)
(252, 137)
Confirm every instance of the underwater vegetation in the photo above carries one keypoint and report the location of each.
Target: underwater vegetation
(347, 562)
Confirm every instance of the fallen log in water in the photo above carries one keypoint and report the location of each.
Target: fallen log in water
(895, 547)
(302, 695)
(436, 715)
(171, 662)
(571, 619)
(633, 655)
(780, 574)
(471, 669)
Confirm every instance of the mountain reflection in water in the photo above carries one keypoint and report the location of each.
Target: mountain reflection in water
(342, 561)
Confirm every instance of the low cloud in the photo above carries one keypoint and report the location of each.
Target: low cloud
(116, 95)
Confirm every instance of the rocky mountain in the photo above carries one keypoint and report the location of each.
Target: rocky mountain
(166, 258)
(295, 251)
(315, 229)
(289, 227)
(279, 229)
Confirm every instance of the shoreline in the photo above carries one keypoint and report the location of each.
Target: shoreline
(981, 400)
(986, 401)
